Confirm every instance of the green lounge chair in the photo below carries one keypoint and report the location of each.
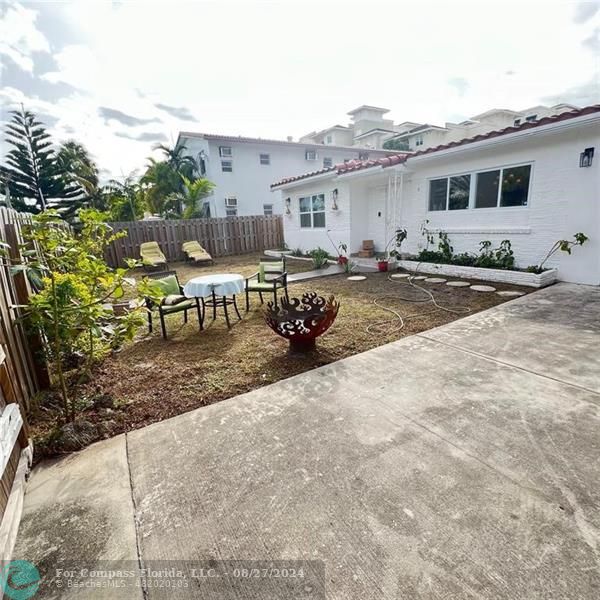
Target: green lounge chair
(173, 300)
(270, 278)
(195, 252)
(152, 256)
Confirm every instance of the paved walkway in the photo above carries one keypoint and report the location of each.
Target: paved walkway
(459, 463)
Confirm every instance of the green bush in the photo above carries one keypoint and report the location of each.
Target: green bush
(319, 256)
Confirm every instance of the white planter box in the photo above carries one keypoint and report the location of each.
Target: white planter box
(498, 275)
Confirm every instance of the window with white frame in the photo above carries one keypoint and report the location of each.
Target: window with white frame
(265, 159)
(504, 187)
(419, 140)
(225, 152)
(312, 211)
(508, 186)
(517, 122)
(329, 139)
(267, 210)
(327, 162)
(450, 193)
(310, 155)
(227, 166)
(231, 203)
(531, 118)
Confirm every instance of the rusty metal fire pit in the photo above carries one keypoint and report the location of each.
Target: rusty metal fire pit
(302, 321)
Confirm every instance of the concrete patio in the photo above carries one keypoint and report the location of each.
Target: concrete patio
(459, 463)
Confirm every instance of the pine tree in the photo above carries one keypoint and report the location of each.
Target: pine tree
(32, 173)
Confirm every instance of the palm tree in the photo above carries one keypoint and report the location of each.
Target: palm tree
(178, 160)
(191, 197)
(125, 198)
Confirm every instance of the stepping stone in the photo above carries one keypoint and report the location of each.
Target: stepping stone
(510, 293)
(435, 280)
(483, 288)
(400, 275)
(419, 277)
(356, 278)
(458, 283)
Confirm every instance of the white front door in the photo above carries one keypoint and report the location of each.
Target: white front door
(377, 218)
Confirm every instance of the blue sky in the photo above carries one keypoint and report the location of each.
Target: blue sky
(121, 76)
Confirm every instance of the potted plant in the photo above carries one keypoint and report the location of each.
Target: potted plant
(342, 259)
(382, 262)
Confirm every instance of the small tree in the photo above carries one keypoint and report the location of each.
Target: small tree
(564, 246)
(72, 308)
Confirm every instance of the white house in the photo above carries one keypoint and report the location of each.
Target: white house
(243, 168)
(421, 137)
(531, 183)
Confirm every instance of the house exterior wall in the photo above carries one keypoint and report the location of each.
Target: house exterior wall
(337, 222)
(250, 181)
(563, 199)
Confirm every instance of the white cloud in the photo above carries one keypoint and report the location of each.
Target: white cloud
(19, 36)
(273, 69)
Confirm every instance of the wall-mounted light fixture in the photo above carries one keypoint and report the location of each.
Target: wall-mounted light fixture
(586, 157)
(334, 197)
(288, 203)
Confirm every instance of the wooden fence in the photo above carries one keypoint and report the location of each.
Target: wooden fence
(20, 376)
(221, 237)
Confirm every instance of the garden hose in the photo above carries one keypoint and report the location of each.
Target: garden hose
(400, 319)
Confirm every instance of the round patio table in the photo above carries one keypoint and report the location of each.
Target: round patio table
(216, 287)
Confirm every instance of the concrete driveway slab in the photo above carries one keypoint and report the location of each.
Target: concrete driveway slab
(554, 332)
(78, 513)
(415, 470)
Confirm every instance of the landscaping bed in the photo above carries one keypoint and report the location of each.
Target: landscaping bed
(151, 379)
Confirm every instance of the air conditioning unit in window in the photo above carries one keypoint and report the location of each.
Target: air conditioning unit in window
(231, 202)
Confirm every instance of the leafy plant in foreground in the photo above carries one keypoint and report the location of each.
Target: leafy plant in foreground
(72, 309)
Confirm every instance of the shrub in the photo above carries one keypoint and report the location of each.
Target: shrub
(564, 246)
(297, 252)
(72, 308)
(319, 256)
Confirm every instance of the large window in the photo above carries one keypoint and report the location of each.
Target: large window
(508, 186)
(503, 187)
(312, 211)
(310, 155)
(450, 193)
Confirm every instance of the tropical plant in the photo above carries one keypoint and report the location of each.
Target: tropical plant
(188, 202)
(125, 199)
(31, 173)
(78, 169)
(396, 144)
(564, 246)
(319, 257)
(162, 181)
(72, 309)
(178, 160)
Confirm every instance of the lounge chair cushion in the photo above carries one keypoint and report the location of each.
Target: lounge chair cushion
(262, 286)
(168, 285)
(173, 299)
(179, 306)
(268, 271)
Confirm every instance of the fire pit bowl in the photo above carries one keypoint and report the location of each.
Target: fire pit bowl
(302, 321)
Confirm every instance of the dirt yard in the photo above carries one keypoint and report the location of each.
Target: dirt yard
(152, 379)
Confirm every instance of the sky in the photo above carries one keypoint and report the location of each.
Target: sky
(123, 76)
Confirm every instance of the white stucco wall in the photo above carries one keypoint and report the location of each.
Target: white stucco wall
(563, 199)
(337, 222)
(250, 181)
